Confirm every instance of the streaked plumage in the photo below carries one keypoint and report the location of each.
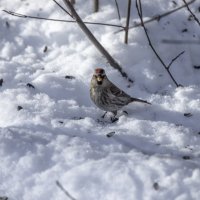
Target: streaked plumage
(108, 96)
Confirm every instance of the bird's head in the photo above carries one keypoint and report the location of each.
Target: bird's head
(99, 76)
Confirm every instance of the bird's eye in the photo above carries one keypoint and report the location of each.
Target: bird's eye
(101, 71)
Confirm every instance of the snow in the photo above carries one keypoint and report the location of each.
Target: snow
(53, 132)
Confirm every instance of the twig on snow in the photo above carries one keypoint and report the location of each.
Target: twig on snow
(139, 10)
(65, 191)
(195, 18)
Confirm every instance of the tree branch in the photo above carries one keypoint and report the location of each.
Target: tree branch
(195, 18)
(139, 10)
(96, 43)
(59, 20)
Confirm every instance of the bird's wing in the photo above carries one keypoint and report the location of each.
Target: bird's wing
(116, 92)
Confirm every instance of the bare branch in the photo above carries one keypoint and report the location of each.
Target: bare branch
(139, 10)
(59, 20)
(118, 12)
(157, 17)
(195, 18)
(96, 43)
(175, 59)
(127, 22)
(65, 191)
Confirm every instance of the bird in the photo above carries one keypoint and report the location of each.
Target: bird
(107, 96)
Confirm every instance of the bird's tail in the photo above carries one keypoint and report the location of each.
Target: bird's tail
(140, 100)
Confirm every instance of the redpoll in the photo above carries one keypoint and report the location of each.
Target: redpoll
(108, 96)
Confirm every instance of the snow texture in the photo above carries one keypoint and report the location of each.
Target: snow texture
(51, 131)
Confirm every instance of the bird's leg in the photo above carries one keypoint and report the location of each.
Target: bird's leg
(104, 115)
(114, 118)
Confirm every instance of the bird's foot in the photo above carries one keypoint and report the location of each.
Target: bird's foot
(104, 115)
(114, 119)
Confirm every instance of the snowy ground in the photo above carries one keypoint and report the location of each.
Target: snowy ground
(53, 132)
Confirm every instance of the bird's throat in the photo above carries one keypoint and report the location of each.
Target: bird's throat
(99, 82)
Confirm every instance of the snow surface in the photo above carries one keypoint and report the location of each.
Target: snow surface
(58, 135)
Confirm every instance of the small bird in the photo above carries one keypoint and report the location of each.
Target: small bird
(106, 95)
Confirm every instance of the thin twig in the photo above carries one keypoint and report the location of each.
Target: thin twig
(195, 18)
(65, 191)
(156, 17)
(59, 20)
(127, 22)
(175, 59)
(118, 12)
(139, 10)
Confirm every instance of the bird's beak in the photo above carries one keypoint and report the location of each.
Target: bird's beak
(99, 78)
